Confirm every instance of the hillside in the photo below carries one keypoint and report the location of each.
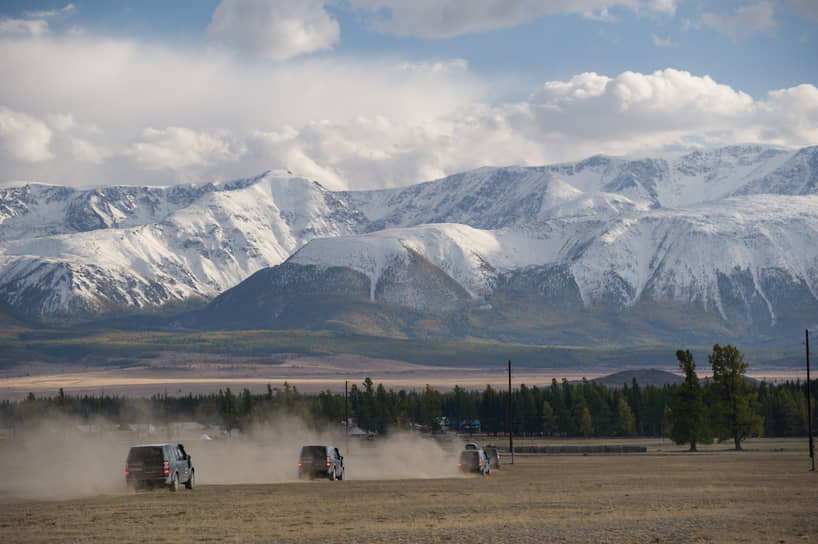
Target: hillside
(710, 246)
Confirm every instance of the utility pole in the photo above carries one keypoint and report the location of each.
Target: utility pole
(510, 428)
(346, 414)
(809, 409)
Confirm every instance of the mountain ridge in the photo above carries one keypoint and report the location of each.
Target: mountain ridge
(724, 232)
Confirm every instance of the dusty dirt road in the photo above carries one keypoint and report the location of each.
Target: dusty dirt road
(712, 497)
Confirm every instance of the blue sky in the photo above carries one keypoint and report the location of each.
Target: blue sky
(373, 93)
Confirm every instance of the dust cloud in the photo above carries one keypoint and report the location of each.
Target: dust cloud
(64, 459)
(269, 454)
(59, 461)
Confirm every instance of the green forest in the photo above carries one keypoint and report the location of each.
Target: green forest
(726, 406)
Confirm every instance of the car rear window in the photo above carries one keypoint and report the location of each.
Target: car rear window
(469, 456)
(313, 451)
(146, 454)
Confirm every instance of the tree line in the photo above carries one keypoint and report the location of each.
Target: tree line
(725, 407)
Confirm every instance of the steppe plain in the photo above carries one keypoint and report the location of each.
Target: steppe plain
(763, 494)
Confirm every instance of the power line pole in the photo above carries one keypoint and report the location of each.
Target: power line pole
(510, 428)
(346, 414)
(809, 409)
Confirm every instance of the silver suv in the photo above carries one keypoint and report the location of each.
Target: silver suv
(152, 465)
(322, 462)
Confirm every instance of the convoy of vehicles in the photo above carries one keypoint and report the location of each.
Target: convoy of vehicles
(169, 465)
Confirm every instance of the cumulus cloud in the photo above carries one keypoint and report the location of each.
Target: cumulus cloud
(179, 148)
(185, 116)
(276, 30)
(447, 18)
(86, 151)
(24, 137)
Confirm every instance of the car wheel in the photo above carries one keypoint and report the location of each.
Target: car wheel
(332, 475)
(174, 483)
(191, 482)
(341, 477)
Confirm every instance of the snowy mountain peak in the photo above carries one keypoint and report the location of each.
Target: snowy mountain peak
(727, 232)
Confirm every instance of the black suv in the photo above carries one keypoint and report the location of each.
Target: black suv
(322, 462)
(474, 460)
(152, 465)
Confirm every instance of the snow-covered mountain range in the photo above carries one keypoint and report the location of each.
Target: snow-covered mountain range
(728, 234)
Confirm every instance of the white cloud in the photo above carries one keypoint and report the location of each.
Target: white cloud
(662, 42)
(602, 15)
(447, 18)
(23, 137)
(44, 14)
(33, 23)
(23, 27)
(62, 121)
(85, 151)
(789, 115)
(630, 114)
(345, 123)
(179, 148)
(277, 30)
(641, 113)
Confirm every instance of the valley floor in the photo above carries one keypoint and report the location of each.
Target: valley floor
(753, 496)
(179, 373)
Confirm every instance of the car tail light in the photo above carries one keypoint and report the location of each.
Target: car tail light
(479, 462)
(299, 462)
(126, 469)
(329, 461)
(460, 463)
(167, 467)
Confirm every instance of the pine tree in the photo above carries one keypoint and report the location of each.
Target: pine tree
(586, 427)
(688, 414)
(733, 413)
(549, 422)
(430, 410)
(625, 424)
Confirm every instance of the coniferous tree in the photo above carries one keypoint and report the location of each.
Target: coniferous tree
(549, 421)
(625, 424)
(688, 413)
(586, 426)
(733, 412)
(430, 410)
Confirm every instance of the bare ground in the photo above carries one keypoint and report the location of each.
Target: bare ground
(711, 497)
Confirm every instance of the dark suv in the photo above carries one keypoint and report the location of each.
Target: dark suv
(322, 462)
(472, 460)
(152, 465)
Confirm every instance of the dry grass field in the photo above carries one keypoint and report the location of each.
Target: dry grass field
(718, 496)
